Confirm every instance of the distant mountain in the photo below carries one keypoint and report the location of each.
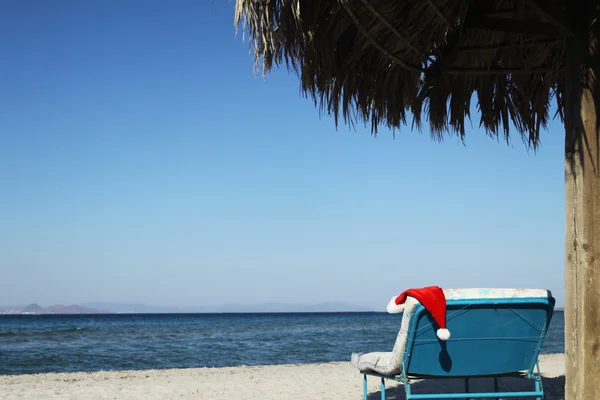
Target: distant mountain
(74, 309)
(283, 307)
(126, 308)
(59, 309)
(228, 308)
(134, 308)
(32, 308)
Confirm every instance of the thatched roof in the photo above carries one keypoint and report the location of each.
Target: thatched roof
(379, 61)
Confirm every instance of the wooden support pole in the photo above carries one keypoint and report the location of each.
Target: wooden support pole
(582, 239)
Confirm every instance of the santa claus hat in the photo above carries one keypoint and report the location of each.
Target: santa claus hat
(432, 298)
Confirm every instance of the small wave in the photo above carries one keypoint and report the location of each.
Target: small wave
(44, 332)
(71, 329)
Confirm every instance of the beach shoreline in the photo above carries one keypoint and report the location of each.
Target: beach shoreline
(336, 380)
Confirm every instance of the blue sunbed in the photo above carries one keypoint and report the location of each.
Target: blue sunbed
(495, 333)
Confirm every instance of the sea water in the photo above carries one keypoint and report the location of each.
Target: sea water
(67, 343)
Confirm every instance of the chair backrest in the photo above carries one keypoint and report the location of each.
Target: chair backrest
(490, 335)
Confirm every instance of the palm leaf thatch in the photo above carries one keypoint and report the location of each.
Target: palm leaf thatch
(380, 60)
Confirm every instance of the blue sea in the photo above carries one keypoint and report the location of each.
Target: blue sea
(67, 343)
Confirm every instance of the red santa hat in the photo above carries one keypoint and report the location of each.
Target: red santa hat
(432, 298)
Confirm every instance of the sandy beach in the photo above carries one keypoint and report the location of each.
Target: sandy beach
(316, 381)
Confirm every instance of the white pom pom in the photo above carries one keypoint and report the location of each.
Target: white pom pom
(394, 308)
(443, 334)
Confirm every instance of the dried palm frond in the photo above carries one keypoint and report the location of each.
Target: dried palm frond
(378, 61)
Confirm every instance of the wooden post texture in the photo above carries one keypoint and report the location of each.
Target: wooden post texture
(582, 239)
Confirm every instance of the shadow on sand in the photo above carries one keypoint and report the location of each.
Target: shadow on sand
(553, 387)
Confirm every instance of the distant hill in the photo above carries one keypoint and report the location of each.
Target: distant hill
(60, 309)
(283, 307)
(74, 309)
(228, 308)
(126, 308)
(32, 308)
(133, 308)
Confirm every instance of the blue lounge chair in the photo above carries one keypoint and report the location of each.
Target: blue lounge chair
(495, 333)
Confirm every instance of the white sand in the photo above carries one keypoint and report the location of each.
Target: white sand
(318, 381)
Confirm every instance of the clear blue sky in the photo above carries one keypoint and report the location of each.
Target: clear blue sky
(141, 160)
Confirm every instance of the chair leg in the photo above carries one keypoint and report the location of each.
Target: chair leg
(407, 389)
(365, 387)
(496, 386)
(467, 385)
(538, 386)
(382, 389)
